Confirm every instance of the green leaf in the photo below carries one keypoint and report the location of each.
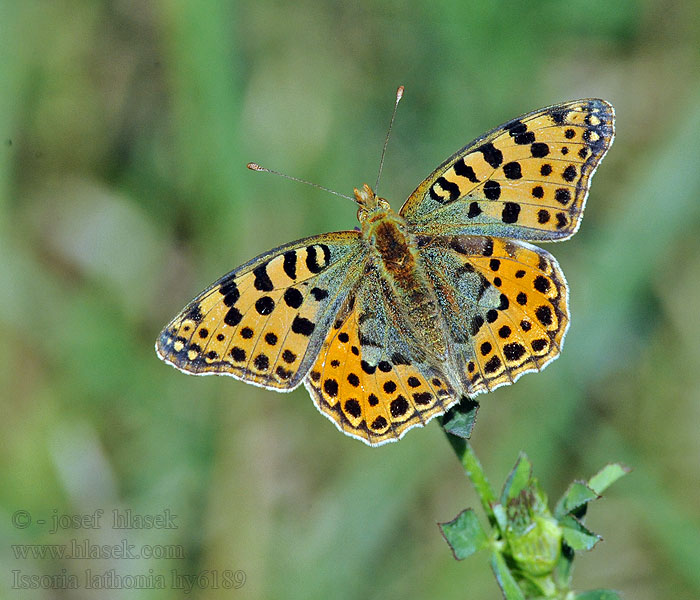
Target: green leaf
(578, 536)
(464, 534)
(499, 513)
(518, 479)
(598, 595)
(607, 476)
(505, 578)
(575, 496)
(459, 420)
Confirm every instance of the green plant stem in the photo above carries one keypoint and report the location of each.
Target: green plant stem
(476, 474)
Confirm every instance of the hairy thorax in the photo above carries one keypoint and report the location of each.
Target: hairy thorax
(395, 253)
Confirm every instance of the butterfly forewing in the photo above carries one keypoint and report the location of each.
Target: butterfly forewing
(527, 179)
(265, 321)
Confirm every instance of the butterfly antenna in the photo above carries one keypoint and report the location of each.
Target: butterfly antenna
(399, 94)
(256, 167)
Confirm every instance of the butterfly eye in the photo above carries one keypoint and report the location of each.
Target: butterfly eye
(383, 204)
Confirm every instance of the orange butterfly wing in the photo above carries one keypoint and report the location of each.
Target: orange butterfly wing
(265, 321)
(506, 303)
(369, 378)
(527, 179)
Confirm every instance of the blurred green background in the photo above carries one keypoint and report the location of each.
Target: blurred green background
(125, 127)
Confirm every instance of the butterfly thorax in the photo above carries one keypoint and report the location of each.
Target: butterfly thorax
(394, 253)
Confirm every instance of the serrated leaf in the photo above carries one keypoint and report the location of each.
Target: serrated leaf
(578, 536)
(577, 494)
(608, 475)
(464, 534)
(505, 578)
(598, 595)
(459, 420)
(518, 479)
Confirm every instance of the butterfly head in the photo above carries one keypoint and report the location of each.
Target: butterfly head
(369, 203)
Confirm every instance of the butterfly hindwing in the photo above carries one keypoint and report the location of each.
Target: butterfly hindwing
(265, 321)
(506, 303)
(369, 379)
(527, 179)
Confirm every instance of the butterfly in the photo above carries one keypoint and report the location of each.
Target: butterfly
(391, 325)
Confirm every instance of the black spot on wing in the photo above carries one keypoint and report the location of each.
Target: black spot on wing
(492, 155)
(539, 345)
(518, 131)
(293, 298)
(541, 284)
(492, 190)
(238, 354)
(475, 325)
(513, 351)
(399, 406)
(319, 294)
(330, 386)
(464, 170)
(569, 173)
(512, 170)
(303, 326)
(367, 368)
(194, 313)
(544, 315)
(448, 186)
(352, 407)
(510, 213)
(263, 282)
(264, 305)
(233, 317)
(492, 365)
(379, 423)
(559, 115)
(261, 362)
(290, 264)
(316, 262)
(422, 398)
(539, 149)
